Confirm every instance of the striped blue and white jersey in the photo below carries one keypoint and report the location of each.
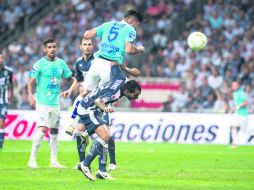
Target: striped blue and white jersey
(82, 67)
(5, 82)
(109, 92)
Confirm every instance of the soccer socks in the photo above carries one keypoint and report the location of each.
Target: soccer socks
(81, 149)
(102, 155)
(36, 144)
(234, 135)
(53, 144)
(1, 138)
(100, 149)
(111, 150)
(93, 152)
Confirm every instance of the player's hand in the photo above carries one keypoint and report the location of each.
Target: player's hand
(141, 49)
(134, 72)
(66, 94)
(108, 109)
(32, 101)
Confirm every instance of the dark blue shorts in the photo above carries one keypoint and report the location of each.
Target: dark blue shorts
(91, 121)
(3, 111)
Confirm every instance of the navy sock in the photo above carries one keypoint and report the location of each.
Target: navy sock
(93, 152)
(111, 150)
(103, 153)
(1, 139)
(81, 149)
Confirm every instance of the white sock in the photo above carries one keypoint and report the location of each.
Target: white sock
(53, 144)
(37, 139)
(78, 133)
(105, 145)
(234, 135)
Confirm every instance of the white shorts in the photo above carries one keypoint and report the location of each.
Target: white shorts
(99, 73)
(241, 121)
(47, 116)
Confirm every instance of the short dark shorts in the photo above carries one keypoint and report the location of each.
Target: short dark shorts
(91, 121)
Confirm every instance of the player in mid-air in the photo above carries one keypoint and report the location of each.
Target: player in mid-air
(117, 39)
(6, 94)
(90, 110)
(47, 73)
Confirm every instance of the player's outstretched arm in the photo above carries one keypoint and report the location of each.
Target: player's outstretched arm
(132, 71)
(74, 85)
(89, 34)
(132, 49)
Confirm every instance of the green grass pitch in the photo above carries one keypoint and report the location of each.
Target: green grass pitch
(143, 166)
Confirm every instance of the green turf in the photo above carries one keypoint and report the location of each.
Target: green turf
(140, 167)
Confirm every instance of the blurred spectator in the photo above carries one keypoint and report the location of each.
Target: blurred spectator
(180, 99)
(167, 106)
(220, 105)
(215, 80)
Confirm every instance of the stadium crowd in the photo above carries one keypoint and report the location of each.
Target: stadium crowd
(12, 11)
(207, 74)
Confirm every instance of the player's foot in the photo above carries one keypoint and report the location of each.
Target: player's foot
(112, 167)
(84, 138)
(32, 164)
(86, 171)
(104, 175)
(57, 165)
(70, 130)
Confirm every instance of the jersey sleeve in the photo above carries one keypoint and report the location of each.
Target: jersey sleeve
(66, 71)
(34, 73)
(131, 35)
(79, 76)
(99, 30)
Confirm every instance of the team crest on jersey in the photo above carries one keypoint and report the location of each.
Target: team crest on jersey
(35, 67)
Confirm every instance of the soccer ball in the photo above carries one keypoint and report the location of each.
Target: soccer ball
(197, 41)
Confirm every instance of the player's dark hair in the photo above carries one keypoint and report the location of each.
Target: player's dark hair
(135, 14)
(132, 86)
(48, 41)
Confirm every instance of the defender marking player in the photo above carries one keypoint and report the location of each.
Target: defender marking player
(6, 95)
(90, 110)
(47, 73)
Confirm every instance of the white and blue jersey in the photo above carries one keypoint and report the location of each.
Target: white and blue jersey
(90, 115)
(82, 67)
(5, 82)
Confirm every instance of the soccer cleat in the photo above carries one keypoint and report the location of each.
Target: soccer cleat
(57, 165)
(70, 130)
(32, 164)
(84, 138)
(86, 171)
(112, 167)
(104, 175)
